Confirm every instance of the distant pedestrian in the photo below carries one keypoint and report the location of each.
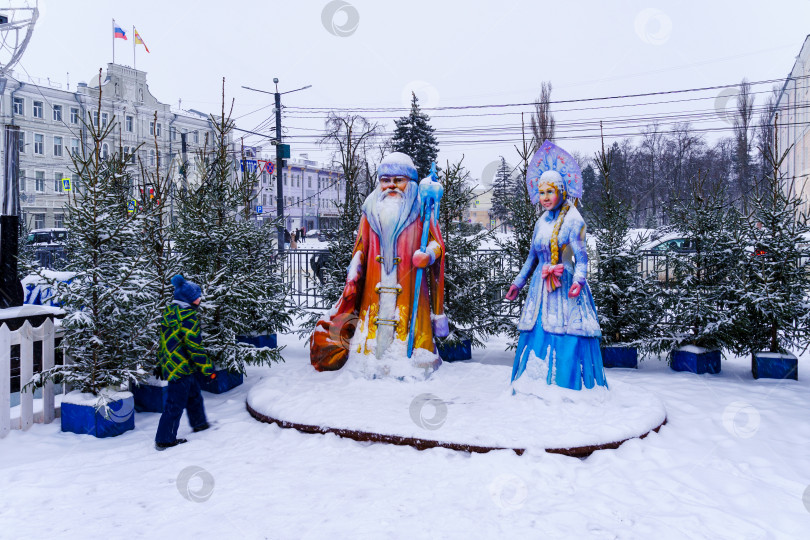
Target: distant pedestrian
(303, 235)
(294, 240)
(180, 356)
(287, 239)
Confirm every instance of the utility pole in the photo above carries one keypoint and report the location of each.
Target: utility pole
(282, 153)
(279, 174)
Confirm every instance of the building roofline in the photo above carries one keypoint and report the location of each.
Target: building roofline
(806, 43)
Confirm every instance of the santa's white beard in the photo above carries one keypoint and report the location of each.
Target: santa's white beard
(388, 214)
(388, 210)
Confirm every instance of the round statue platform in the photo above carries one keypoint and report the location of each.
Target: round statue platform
(463, 406)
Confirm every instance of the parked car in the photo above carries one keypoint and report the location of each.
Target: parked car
(670, 242)
(314, 233)
(326, 235)
(39, 237)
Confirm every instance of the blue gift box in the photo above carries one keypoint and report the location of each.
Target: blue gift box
(696, 360)
(85, 419)
(458, 351)
(765, 365)
(224, 381)
(620, 357)
(149, 397)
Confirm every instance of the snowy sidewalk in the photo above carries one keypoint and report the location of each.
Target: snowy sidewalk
(732, 462)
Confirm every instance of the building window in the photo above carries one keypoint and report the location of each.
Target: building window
(74, 146)
(285, 179)
(21, 137)
(57, 113)
(105, 151)
(58, 221)
(19, 106)
(40, 181)
(74, 182)
(39, 144)
(173, 133)
(152, 158)
(159, 129)
(22, 180)
(39, 221)
(57, 182)
(95, 118)
(37, 109)
(74, 115)
(309, 181)
(196, 137)
(57, 146)
(151, 128)
(104, 120)
(129, 124)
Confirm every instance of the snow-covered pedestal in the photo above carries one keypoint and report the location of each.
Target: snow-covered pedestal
(767, 365)
(151, 395)
(464, 406)
(620, 357)
(100, 416)
(696, 360)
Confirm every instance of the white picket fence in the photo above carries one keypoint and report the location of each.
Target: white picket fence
(25, 336)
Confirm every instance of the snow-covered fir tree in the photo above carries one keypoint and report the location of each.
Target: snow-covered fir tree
(230, 257)
(160, 262)
(503, 190)
(472, 300)
(109, 297)
(704, 297)
(413, 136)
(777, 281)
(628, 304)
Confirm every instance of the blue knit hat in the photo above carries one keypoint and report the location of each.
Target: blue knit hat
(397, 164)
(185, 291)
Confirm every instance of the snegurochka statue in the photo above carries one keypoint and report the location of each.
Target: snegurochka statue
(559, 330)
(393, 301)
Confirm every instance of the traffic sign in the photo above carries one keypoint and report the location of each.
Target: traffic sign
(259, 209)
(66, 184)
(132, 206)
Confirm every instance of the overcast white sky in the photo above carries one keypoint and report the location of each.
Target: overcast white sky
(454, 52)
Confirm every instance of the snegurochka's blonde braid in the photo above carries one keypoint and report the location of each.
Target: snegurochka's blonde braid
(555, 247)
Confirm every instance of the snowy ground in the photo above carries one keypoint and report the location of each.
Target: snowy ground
(732, 462)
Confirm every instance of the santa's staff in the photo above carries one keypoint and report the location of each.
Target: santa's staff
(430, 194)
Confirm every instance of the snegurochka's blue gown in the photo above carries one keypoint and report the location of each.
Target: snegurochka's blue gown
(562, 332)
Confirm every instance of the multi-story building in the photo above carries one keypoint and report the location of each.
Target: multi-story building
(480, 207)
(793, 106)
(312, 192)
(52, 129)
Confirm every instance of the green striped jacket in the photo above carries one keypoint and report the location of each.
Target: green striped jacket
(180, 351)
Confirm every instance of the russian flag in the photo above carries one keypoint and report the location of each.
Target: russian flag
(118, 32)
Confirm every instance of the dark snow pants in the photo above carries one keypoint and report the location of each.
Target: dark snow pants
(183, 393)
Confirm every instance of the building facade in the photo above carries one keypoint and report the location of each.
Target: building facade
(793, 106)
(312, 193)
(52, 129)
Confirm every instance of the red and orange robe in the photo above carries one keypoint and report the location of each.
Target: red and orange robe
(358, 308)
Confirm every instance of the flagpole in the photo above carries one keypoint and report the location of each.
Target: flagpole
(113, 24)
(134, 65)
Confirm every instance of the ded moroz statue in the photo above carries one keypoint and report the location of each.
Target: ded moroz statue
(367, 330)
